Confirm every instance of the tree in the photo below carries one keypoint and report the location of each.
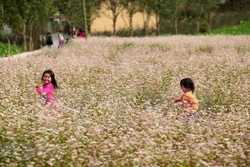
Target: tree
(74, 12)
(210, 6)
(23, 16)
(132, 7)
(116, 7)
(15, 17)
(147, 7)
(2, 23)
(197, 10)
(1, 14)
(176, 8)
(161, 9)
(85, 19)
(38, 16)
(200, 10)
(157, 15)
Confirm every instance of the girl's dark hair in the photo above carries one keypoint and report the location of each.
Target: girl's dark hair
(52, 75)
(188, 83)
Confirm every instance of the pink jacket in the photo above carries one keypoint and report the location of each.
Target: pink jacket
(81, 35)
(48, 93)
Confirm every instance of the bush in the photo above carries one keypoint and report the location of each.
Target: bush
(13, 50)
(241, 29)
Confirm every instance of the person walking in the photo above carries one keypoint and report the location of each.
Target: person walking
(49, 41)
(61, 39)
(81, 34)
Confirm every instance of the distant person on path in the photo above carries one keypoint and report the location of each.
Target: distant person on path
(73, 33)
(49, 85)
(61, 39)
(49, 41)
(190, 104)
(81, 34)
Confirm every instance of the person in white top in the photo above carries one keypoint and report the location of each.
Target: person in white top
(61, 39)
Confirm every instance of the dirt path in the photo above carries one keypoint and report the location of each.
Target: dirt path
(45, 48)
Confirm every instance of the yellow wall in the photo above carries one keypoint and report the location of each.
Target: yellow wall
(104, 23)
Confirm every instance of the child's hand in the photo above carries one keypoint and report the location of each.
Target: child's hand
(172, 99)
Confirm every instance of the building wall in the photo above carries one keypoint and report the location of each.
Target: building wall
(105, 23)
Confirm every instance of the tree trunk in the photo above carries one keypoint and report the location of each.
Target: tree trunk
(176, 25)
(114, 25)
(131, 25)
(157, 18)
(31, 42)
(146, 23)
(8, 39)
(209, 21)
(198, 25)
(24, 37)
(85, 19)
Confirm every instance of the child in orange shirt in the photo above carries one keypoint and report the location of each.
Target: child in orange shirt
(189, 101)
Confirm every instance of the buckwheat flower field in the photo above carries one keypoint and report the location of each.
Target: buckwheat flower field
(114, 108)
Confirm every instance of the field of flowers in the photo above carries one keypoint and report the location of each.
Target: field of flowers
(114, 107)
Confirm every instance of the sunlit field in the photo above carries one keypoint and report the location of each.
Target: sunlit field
(114, 108)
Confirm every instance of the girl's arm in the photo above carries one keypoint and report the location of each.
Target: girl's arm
(46, 89)
(177, 100)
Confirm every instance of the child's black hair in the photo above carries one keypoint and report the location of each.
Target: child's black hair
(52, 75)
(188, 83)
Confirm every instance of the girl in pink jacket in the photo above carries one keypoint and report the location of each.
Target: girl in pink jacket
(49, 86)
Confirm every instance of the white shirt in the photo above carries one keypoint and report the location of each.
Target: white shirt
(60, 37)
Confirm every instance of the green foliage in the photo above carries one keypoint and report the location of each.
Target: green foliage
(241, 29)
(74, 13)
(13, 50)
(27, 18)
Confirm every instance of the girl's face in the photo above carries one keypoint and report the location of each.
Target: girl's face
(46, 78)
(184, 89)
